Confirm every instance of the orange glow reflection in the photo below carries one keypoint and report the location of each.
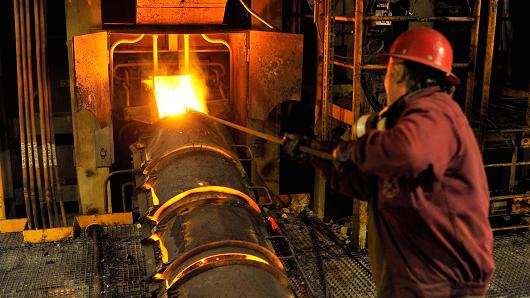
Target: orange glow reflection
(176, 93)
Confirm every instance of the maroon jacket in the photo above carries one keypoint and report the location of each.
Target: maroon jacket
(429, 234)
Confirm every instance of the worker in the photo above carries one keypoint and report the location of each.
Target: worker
(418, 165)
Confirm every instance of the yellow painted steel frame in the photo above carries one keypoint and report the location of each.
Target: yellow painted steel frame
(211, 259)
(13, 225)
(222, 189)
(110, 219)
(48, 235)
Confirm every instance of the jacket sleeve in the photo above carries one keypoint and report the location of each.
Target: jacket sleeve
(349, 181)
(423, 136)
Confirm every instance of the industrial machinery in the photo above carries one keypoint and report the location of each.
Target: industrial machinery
(201, 221)
(204, 222)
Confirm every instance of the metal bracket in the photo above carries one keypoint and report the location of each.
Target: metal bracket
(104, 147)
(288, 244)
(267, 192)
(249, 154)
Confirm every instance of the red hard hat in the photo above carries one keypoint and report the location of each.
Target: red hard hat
(426, 46)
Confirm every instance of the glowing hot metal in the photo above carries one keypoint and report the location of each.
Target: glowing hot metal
(175, 94)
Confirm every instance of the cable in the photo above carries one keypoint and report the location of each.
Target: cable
(254, 14)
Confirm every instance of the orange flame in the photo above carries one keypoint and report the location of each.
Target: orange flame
(175, 94)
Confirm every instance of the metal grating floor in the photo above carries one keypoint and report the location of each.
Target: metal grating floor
(349, 275)
(64, 269)
(512, 256)
(344, 276)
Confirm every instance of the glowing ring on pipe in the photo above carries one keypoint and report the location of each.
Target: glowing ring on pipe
(203, 189)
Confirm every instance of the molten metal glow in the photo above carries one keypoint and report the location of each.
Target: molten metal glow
(213, 259)
(176, 93)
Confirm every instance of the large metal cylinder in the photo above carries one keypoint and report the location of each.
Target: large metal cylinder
(206, 224)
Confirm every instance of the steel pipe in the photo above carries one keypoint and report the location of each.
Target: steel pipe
(28, 92)
(108, 201)
(349, 19)
(124, 194)
(42, 110)
(231, 59)
(192, 181)
(21, 115)
(52, 154)
(111, 59)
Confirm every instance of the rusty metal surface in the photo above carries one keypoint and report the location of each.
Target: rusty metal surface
(92, 76)
(275, 61)
(488, 60)
(186, 12)
(471, 74)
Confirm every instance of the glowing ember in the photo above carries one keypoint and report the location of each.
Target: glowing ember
(176, 93)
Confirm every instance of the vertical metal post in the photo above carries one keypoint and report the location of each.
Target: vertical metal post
(528, 107)
(513, 169)
(187, 53)
(488, 58)
(470, 87)
(21, 116)
(28, 94)
(360, 216)
(325, 92)
(42, 112)
(327, 69)
(155, 54)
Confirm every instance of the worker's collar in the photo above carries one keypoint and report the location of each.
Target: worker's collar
(410, 95)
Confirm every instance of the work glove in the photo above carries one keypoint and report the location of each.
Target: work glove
(291, 146)
(343, 154)
(365, 123)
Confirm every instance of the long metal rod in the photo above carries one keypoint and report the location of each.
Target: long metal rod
(507, 164)
(470, 87)
(512, 228)
(257, 16)
(52, 157)
(507, 197)
(186, 53)
(383, 67)
(359, 223)
(405, 19)
(357, 61)
(21, 117)
(270, 138)
(27, 97)
(327, 72)
(488, 58)
(36, 159)
(42, 110)
(155, 54)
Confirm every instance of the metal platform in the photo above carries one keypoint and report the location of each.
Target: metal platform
(64, 269)
(338, 273)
